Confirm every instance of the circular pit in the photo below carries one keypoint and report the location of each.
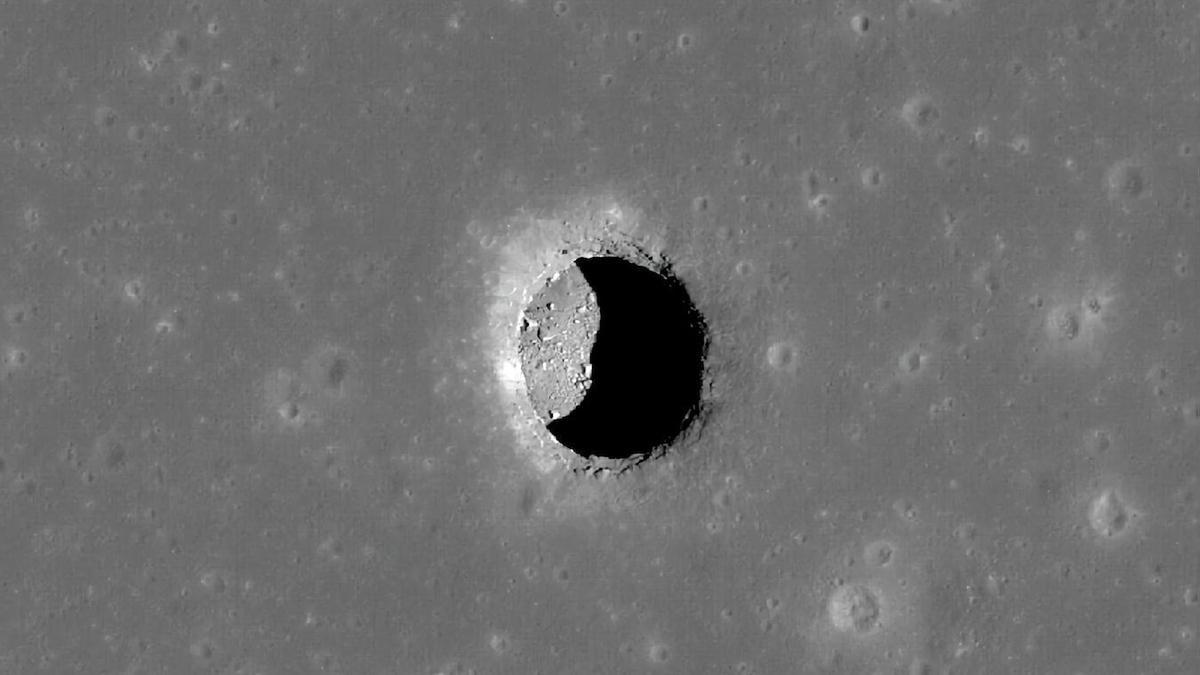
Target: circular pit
(612, 353)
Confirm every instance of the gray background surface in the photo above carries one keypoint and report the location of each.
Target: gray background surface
(253, 263)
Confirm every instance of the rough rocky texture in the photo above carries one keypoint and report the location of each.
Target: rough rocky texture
(558, 331)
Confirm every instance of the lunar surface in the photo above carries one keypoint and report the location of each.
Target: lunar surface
(566, 337)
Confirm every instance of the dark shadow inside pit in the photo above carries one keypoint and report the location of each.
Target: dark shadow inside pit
(647, 363)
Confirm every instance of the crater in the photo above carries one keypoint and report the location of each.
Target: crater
(854, 608)
(1110, 516)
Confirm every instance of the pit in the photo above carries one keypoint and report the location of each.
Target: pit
(612, 351)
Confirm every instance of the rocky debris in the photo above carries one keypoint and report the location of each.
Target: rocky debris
(558, 332)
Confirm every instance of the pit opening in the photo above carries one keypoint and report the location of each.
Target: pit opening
(613, 356)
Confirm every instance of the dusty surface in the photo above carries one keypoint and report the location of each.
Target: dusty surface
(261, 280)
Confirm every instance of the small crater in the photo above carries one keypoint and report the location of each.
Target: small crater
(871, 178)
(192, 81)
(1110, 516)
(110, 454)
(912, 361)
(175, 44)
(105, 118)
(18, 313)
(1062, 324)
(134, 291)
(906, 510)
(329, 370)
(860, 24)
(981, 137)
(337, 372)
(920, 113)
(500, 643)
(213, 582)
(854, 608)
(1127, 181)
(879, 553)
(819, 204)
(1183, 265)
(13, 359)
(1098, 442)
(783, 357)
(287, 400)
(987, 278)
(204, 650)
(744, 268)
(659, 652)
